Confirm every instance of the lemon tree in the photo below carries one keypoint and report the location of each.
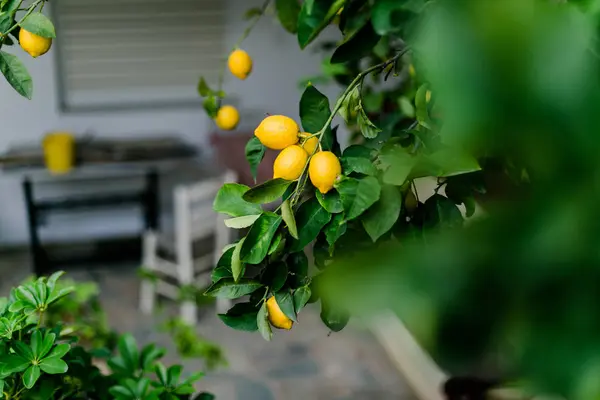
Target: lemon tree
(332, 200)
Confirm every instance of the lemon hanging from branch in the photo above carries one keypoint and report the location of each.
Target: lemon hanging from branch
(227, 118)
(311, 144)
(277, 132)
(240, 64)
(276, 317)
(33, 44)
(290, 163)
(323, 170)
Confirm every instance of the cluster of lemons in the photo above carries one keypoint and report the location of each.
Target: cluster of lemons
(279, 132)
(33, 44)
(240, 66)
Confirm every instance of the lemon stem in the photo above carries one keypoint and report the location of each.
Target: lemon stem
(27, 14)
(340, 101)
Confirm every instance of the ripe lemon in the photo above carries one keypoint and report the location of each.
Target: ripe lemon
(33, 44)
(240, 64)
(323, 170)
(277, 132)
(290, 163)
(276, 317)
(311, 144)
(227, 118)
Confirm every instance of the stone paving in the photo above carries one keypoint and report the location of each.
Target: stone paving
(305, 363)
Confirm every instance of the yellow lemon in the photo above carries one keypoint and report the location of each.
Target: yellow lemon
(276, 317)
(33, 44)
(290, 163)
(227, 118)
(311, 145)
(323, 170)
(277, 132)
(240, 64)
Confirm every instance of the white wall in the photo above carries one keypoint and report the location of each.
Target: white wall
(272, 88)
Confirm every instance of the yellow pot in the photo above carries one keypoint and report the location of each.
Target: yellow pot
(59, 152)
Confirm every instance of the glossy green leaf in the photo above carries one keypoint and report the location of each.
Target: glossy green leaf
(357, 150)
(31, 375)
(398, 165)
(59, 350)
(6, 21)
(367, 128)
(301, 297)
(285, 301)
(262, 322)
(241, 222)
(310, 218)
(335, 229)
(255, 152)
(382, 216)
(275, 275)
(229, 289)
(229, 200)
(314, 110)
(358, 195)
(223, 268)
(357, 164)
(358, 46)
(441, 212)
(237, 266)
(10, 5)
(36, 343)
(451, 162)
(297, 268)
(288, 217)
(53, 365)
(203, 89)
(267, 192)
(406, 107)
(288, 12)
(330, 201)
(390, 16)
(14, 363)
(211, 105)
(16, 74)
(37, 23)
(350, 105)
(277, 245)
(242, 317)
(257, 242)
(314, 17)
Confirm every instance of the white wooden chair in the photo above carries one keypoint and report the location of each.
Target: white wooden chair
(195, 221)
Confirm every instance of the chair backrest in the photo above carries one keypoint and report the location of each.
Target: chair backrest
(194, 215)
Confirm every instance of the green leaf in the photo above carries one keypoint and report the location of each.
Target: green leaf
(350, 105)
(358, 195)
(129, 351)
(267, 192)
(53, 365)
(406, 107)
(227, 288)
(357, 164)
(203, 88)
(288, 218)
(23, 350)
(452, 162)
(285, 302)
(441, 212)
(262, 322)
(335, 229)
(288, 12)
(14, 363)
(275, 275)
(59, 350)
(257, 243)
(357, 150)
(297, 269)
(237, 267)
(398, 165)
(255, 152)
(422, 110)
(314, 17)
(330, 201)
(31, 375)
(382, 216)
(358, 45)
(335, 319)
(368, 128)
(37, 23)
(223, 268)
(311, 218)
(389, 16)
(242, 317)
(277, 245)
(229, 200)
(241, 222)
(301, 297)
(47, 344)
(314, 110)
(10, 5)
(211, 105)
(37, 343)
(6, 21)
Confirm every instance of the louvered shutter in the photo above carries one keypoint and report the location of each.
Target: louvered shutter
(120, 53)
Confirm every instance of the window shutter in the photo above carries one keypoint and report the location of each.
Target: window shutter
(136, 53)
